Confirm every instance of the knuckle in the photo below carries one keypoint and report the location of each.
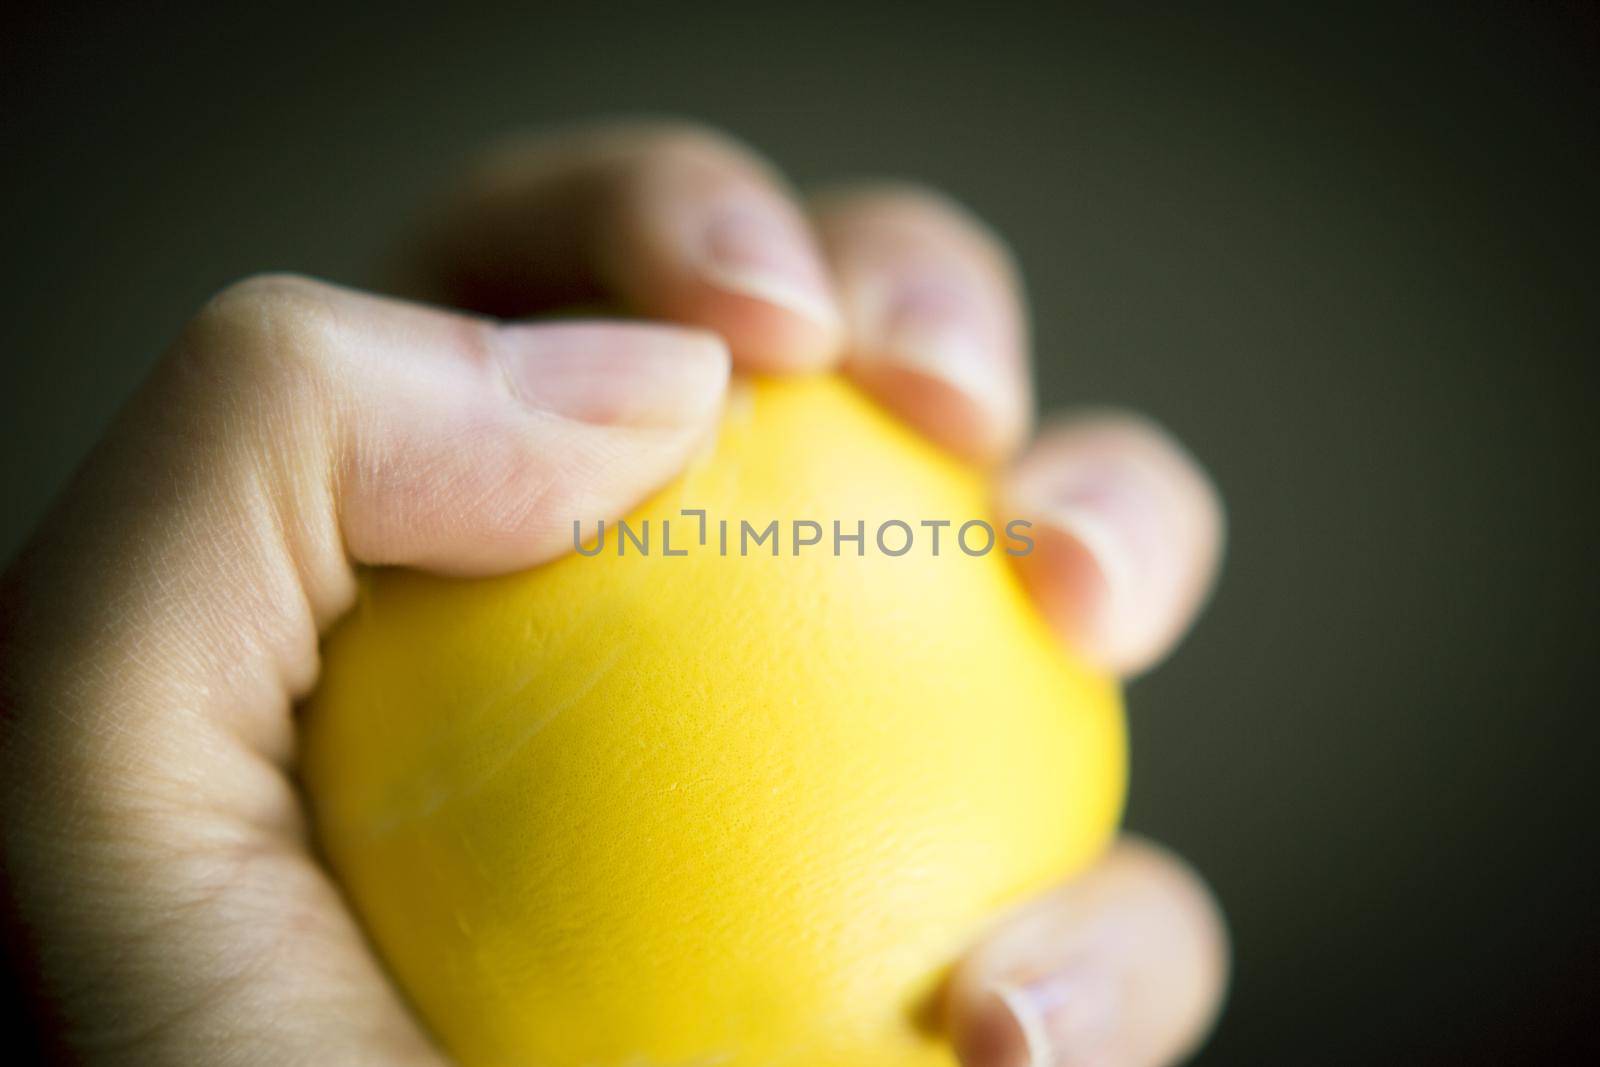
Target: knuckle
(264, 329)
(265, 307)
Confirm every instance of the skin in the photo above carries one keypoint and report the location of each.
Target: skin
(157, 631)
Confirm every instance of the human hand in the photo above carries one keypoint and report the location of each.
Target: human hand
(158, 629)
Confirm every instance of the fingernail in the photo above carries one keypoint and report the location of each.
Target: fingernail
(749, 250)
(937, 327)
(1117, 515)
(1056, 1020)
(615, 374)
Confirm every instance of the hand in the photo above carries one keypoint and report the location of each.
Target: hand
(157, 630)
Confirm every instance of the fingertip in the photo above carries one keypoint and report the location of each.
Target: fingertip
(707, 235)
(763, 333)
(664, 218)
(958, 409)
(934, 310)
(1124, 966)
(478, 450)
(1128, 535)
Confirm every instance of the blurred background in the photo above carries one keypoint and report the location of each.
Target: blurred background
(1349, 257)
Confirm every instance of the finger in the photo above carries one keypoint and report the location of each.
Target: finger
(159, 628)
(667, 221)
(469, 446)
(1128, 534)
(1124, 967)
(934, 314)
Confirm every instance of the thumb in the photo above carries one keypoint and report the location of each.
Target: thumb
(156, 632)
(453, 443)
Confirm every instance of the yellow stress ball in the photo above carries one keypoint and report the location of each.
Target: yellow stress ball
(735, 807)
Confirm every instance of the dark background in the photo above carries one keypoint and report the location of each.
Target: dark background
(1349, 257)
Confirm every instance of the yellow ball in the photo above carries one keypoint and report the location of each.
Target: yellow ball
(714, 809)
